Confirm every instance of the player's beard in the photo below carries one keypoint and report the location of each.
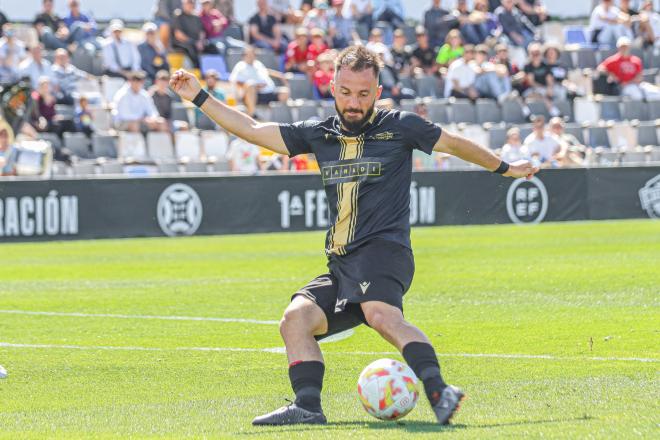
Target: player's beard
(354, 126)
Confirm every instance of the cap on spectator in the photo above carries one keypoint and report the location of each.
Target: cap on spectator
(379, 48)
(399, 33)
(318, 32)
(162, 74)
(321, 4)
(137, 74)
(302, 32)
(149, 27)
(212, 73)
(623, 41)
(116, 25)
(420, 30)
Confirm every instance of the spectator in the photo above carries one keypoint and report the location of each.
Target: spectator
(163, 16)
(153, 56)
(624, 6)
(541, 84)
(423, 55)
(317, 46)
(283, 11)
(214, 24)
(515, 74)
(211, 77)
(376, 40)
(8, 72)
(317, 17)
(573, 151)
(461, 76)
(438, 22)
(43, 112)
(35, 66)
(3, 20)
(51, 29)
(514, 24)
(473, 25)
(389, 79)
(341, 30)
(188, 31)
(297, 53)
(649, 25)
(514, 150)
(558, 72)
(390, 11)
(401, 53)
(120, 57)
(254, 82)
(134, 109)
(83, 120)
(608, 24)
(11, 48)
(360, 11)
(534, 11)
(451, 50)
(626, 70)
(325, 74)
(492, 79)
(81, 27)
(265, 33)
(164, 98)
(243, 157)
(490, 19)
(544, 147)
(7, 151)
(66, 75)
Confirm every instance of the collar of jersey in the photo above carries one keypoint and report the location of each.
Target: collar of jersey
(364, 128)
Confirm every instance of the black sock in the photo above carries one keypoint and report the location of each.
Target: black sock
(307, 382)
(423, 361)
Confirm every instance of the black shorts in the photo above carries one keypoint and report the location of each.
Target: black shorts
(379, 270)
(265, 98)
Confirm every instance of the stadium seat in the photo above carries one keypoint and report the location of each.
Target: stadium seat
(307, 110)
(608, 158)
(159, 146)
(215, 62)
(635, 157)
(654, 110)
(488, 111)
(203, 122)
(622, 136)
(77, 143)
(598, 137)
(300, 87)
(653, 57)
(586, 110)
(610, 109)
(586, 59)
(104, 146)
(175, 60)
(426, 86)
(60, 169)
(232, 57)
(476, 133)
(512, 112)
(603, 54)
(565, 109)
(51, 138)
(215, 144)
(635, 110)
(496, 136)
(112, 167)
(566, 59)
(280, 112)
(462, 111)
(525, 130)
(647, 134)
(583, 82)
(168, 167)
(408, 105)
(576, 130)
(84, 168)
(576, 35)
(180, 112)
(538, 107)
(111, 86)
(655, 154)
(131, 146)
(83, 60)
(221, 167)
(649, 75)
(66, 112)
(235, 31)
(269, 59)
(327, 109)
(196, 167)
(187, 145)
(437, 111)
(101, 119)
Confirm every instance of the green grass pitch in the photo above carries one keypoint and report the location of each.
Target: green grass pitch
(583, 295)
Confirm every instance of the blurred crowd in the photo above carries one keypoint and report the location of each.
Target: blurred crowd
(476, 50)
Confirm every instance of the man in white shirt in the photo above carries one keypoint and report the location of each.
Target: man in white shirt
(134, 109)
(11, 48)
(254, 84)
(120, 57)
(543, 145)
(608, 24)
(36, 66)
(514, 150)
(461, 76)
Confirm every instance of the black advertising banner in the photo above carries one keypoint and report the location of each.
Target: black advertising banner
(151, 207)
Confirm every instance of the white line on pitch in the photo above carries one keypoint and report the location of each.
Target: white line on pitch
(367, 353)
(166, 318)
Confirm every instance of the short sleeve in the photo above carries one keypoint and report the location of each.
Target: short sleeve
(297, 137)
(420, 133)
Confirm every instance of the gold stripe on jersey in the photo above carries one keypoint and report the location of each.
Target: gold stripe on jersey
(343, 231)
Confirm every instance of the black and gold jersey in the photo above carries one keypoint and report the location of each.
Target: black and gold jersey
(366, 176)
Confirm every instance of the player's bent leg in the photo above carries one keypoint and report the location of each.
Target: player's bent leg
(418, 352)
(302, 320)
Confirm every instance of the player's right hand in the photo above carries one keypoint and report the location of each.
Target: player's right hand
(185, 84)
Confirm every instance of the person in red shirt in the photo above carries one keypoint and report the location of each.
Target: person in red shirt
(318, 45)
(297, 53)
(325, 74)
(626, 69)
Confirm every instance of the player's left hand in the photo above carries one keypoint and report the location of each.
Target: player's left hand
(521, 168)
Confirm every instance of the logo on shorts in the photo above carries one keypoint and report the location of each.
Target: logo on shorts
(364, 286)
(649, 195)
(179, 210)
(527, 201)
(339, 306)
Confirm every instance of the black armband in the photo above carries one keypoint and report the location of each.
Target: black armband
(201, 98)
(503, 168)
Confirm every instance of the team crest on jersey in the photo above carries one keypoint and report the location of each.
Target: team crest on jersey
(384, 136)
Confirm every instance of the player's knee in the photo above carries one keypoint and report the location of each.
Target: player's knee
(383, 323)
(295, 319)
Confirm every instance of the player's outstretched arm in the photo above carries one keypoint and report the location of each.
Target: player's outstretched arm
(266, 134)
(467, 150)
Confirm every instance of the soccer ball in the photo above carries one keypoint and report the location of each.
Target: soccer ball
(388, 389)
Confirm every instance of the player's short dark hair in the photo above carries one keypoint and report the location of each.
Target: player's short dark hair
(358, 58)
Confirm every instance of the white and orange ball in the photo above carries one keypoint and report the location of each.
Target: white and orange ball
(388, 389)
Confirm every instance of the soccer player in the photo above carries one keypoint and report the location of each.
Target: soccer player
(365, 157)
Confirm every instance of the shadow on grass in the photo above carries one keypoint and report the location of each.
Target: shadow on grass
(410, 426)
